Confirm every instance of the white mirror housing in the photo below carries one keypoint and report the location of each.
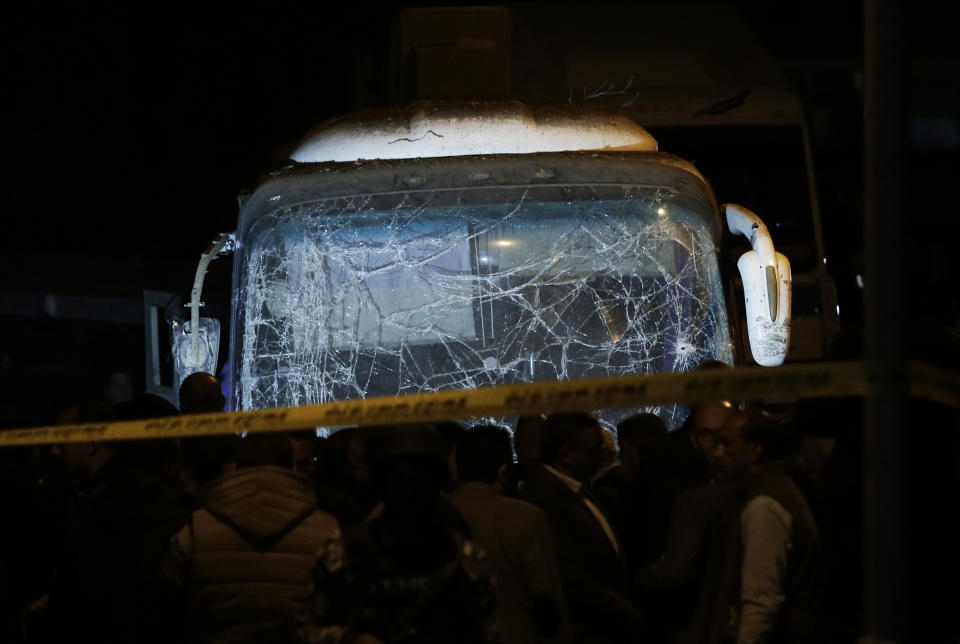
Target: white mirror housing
(766, 287)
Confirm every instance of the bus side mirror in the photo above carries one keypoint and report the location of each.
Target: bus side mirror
(766, 287)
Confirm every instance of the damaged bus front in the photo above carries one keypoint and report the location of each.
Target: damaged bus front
(446, 246)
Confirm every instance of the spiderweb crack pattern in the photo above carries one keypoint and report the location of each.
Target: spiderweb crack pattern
(346, 298)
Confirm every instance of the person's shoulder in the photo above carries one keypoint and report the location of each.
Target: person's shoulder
(517, 504)
(765, 510)
(543, 488)
(762, 503)
(519, 509)
(615, 476)
(538, 478)
(777, 484)
(324, 521)
(472, 492)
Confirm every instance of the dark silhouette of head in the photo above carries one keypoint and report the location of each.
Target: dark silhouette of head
(483, 451)
(707, 365)
(269, 448)
(526, 438)
(160, 455)
(746, 439)
(707, 420)
(408, 463)
(451, 433)
(573, 444)
(637, 435)
(85, 457)
(690, 425)
(118, 386)
(200, 394)
(343, 460)
(146, 405)
(772, 437)
(205, 457)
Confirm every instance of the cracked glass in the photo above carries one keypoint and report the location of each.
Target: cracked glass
(352, 297)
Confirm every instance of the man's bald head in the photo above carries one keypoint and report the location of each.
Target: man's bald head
(200, 394)
(747, 438)
(707, 421)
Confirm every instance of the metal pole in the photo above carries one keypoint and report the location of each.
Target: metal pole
(885, 351)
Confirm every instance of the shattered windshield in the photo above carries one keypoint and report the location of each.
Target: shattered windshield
(433, 290)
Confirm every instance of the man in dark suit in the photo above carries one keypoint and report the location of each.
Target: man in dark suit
(589, 554)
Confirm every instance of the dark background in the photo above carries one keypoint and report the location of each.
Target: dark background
(131, 131)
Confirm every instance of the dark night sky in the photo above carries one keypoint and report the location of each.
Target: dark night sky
(130, 132)
(134, 131)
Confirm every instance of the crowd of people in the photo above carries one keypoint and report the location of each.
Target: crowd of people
(736, 527)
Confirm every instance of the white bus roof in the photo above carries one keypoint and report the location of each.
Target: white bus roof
(440, 129)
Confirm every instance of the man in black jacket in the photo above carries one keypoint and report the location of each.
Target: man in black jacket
(407, 575)
(107, 586)
(589, 553)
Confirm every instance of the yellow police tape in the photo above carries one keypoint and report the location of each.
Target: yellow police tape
(791, 382)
